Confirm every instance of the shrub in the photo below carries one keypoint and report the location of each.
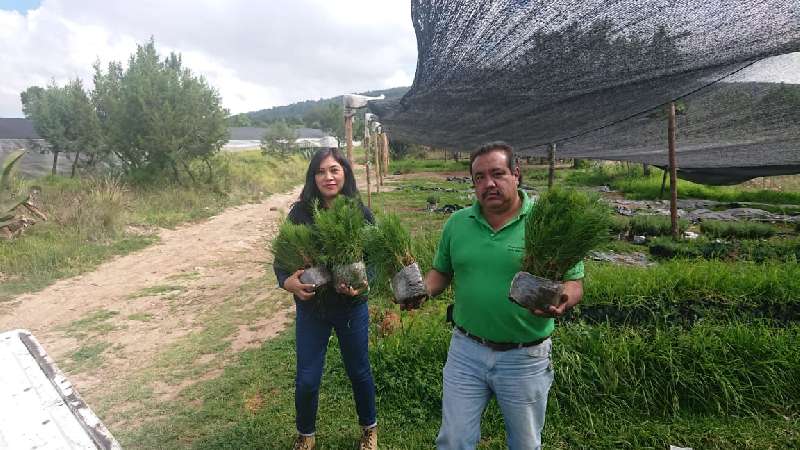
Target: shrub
(563, 226)
(743, 230)
(619, 225)
(294, 247)
(655, 225)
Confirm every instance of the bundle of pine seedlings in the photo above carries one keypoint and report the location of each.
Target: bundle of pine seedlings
(296, 247)
(388, 245)
(562, 228)
(340, 230)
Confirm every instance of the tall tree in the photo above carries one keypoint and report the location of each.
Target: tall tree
(65, 118)
(280, 138)
(157, 115)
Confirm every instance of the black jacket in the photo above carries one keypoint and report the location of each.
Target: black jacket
(302, 214)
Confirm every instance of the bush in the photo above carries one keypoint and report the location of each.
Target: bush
(655, 225)
(742, 230)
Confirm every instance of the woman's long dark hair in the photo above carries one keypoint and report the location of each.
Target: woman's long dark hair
(311, 191)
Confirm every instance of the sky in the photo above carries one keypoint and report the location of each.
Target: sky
(257, 54)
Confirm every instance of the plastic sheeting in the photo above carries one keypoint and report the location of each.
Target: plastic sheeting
(593, 76)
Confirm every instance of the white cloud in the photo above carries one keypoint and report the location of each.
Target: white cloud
(257, 54)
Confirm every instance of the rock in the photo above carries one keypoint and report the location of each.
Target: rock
(690, 235)
(639, 240)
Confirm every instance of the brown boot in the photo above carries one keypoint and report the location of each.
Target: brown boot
(369, 439)
(304, 442)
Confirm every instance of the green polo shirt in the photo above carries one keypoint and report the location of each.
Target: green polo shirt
(483, 263)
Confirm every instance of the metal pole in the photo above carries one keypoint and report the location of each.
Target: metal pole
(551, 172)
(673, 172)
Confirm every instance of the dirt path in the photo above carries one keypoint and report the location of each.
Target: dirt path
(117, 320)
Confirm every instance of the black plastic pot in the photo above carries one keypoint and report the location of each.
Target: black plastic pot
(317, 275)
(408, 286)
(353, 275)
(532, 292)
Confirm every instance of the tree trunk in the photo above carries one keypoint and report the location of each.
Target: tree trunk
(75, 163)
(551, 166)
(55, 161)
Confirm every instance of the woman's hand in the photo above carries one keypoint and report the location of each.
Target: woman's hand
(351, 291)
(296, 287)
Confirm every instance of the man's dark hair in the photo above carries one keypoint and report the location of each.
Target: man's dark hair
(311, 191)
(497, 146)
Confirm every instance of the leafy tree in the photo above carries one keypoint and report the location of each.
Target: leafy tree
(279, 138)
(240, 120)
(328, 118)
(157, 115)
(65, 118)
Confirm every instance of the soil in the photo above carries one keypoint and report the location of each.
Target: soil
(152, 298)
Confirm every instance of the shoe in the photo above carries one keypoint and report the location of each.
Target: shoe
(304, 442)
(369, 439)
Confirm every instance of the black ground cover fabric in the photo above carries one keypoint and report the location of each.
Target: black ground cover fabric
(592, 76)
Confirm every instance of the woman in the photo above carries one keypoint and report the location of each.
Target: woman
(343, 309)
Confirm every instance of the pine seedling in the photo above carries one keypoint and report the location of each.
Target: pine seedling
(295, 247)
(561, 230)
(340, 231)
(388, 245)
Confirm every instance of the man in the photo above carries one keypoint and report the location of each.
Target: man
(498, 347)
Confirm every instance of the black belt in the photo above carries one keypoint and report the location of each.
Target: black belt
(500, 346)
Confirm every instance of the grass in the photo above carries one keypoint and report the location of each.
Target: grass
(92, 219)
(637, 186)
(159, 290)
(655, 225)
(411, 165)
(86, 357)
(784, 250)
(741, 230)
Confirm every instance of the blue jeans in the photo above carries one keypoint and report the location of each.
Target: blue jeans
(520, 380)
(312, 332)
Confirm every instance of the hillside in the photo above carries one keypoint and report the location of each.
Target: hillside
(299, 109)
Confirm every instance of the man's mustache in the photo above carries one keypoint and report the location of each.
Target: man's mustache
(488, 193)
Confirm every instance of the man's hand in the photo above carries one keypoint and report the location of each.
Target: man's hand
(351, 291)
(298, 288)
(435, 283)
(573, 292)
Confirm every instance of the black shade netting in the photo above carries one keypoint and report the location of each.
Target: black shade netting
(592, 76)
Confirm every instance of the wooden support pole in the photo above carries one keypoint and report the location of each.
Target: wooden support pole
(348, 134)
(376, 146)
(673, 172)
(551, 170)
(385, 154)
(366, 166)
